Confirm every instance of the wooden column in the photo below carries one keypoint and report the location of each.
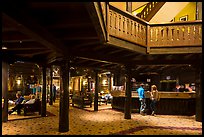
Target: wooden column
(43, 105)
(117, 80)
(128, 93)
(89, 84)
(96, 91)
(64, 97)
(51, 96)
(109, 82)
(198, 89)
(5, 67)
(129, 7)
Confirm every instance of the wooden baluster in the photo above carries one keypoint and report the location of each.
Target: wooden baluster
(155, 36)
(119, 25)
(188, 35)
(196, 35)
(136, 31)
(200, 34)
(185, 35)
(177, 36)
(143, 35)
(111, 17)
(151, 36)
(124, 27)
(173, 33)
(180, 36)
(168, 39)
(128, 27)
(139, 33)
(164, 41)
(191, 34)
(116, 25)
(131, 29)
(159, 36)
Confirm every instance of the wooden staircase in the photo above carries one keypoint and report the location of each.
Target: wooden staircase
(150, 10)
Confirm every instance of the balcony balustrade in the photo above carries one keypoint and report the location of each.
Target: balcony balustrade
(125, 26)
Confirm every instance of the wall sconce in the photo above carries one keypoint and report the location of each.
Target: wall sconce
(84, 82)
(18, 80)
(104, 82)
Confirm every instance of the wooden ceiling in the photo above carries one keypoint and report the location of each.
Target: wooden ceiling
(45, 32)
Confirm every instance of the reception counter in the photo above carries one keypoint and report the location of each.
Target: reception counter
(170, 103)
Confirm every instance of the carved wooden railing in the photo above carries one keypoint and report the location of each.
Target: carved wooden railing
(126, 26)
(175, 34)
(150, 10)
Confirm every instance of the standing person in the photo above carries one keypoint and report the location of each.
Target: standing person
(141, 99)
(54, 92)
(34, 89)
(154, 97)
(38, 91)
(17, 103)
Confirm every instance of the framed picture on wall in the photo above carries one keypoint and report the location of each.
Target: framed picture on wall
(183, 18)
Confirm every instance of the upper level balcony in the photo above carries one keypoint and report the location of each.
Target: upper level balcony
(94, 34)
(145, 37)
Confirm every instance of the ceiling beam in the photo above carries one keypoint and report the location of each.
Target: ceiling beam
(67, 25)
(32, 29)
(80, 38)
(17, 41)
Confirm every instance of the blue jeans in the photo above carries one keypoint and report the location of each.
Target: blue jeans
(153, 105)
(142, 105)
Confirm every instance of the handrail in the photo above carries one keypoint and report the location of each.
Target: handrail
(175, 34)
(126, 26)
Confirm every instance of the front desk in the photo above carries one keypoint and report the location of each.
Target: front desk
(170, 103)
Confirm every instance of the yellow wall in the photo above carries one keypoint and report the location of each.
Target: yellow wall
(189, 10)
(135, 12)
(119, 5)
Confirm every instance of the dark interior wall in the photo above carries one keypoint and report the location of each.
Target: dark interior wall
(185, 75)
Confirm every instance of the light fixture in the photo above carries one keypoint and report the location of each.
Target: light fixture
(3, 47)
(19, 80)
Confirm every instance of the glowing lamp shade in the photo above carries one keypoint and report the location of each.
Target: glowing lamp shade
(18, 81)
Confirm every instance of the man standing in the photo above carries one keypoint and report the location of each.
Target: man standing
(141, 99)
(54, 92)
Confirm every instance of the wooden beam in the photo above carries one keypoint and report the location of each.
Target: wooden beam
(29, 27)
(68, 24)
(97, 19)
(56, 5)
(175, 50)
(80, 38)
(22, 45)
(18, 41)
(126, 45)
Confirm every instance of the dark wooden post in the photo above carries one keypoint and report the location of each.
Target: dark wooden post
(51, 96)
(198, 89)
(89, 84)
(109, 82)
(96, 91)
(64, 97)
(128, 93)
(43, 105)
(5, 67)
(129, 7)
